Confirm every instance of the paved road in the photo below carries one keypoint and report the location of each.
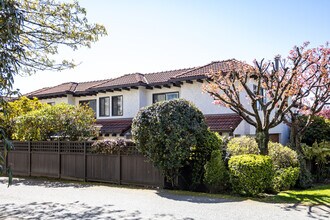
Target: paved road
(38, 199)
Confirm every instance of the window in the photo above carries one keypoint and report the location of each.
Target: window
(104, 106)
(164, 96)
(117, 105)
(262, 93)
(51, 103)
(91, 103)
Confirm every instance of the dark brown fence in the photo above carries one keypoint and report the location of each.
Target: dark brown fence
(77, 161)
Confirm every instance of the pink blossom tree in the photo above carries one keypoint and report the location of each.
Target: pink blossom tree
(275, 91)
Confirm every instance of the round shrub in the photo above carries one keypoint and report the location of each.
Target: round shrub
(242, 145)
(250, 174)
(285, 178)
(282, 157)
(216, 175)
(165, 132)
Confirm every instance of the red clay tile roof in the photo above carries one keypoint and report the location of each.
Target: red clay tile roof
(135, 79)
(223, 122)
(217, 122)
(161, 77)
(202, 71)
(114, 126)
(83, 86)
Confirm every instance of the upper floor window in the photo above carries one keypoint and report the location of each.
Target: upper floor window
(104, 103)
(164, 96)
(262, 92)
(117, 105)
(91, 103)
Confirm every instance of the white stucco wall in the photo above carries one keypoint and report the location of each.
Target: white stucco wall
(56, 100)
(135, 99)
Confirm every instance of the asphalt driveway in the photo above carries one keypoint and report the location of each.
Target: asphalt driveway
(39, 199)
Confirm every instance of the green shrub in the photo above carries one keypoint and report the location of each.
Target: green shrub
(317, 131)
(242, 145)
(250, 174)
(285, 178)
(165, 133)
(282, 157)
(61, 121)
(111, 146)
(200, 154)
(216, 175)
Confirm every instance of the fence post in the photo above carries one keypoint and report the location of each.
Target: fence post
(29, 158)
(85, 162)
(119, 159)
(59, 158)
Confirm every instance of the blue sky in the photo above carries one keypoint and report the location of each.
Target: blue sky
(151, 36)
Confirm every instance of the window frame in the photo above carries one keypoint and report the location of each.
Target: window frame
(104, 98)
(164, 93)
(85, 101)
(112, 105)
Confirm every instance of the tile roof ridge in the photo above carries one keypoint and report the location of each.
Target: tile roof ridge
(140, 77)
(199, 67)
(37, 91)
(170, 71)
(91, 81)
(73, 87)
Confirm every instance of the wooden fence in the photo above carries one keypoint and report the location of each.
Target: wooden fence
(77, 161)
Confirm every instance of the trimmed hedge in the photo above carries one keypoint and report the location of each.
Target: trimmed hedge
(282, 156)
(285, 178)
(216, 175)
(242, 145)
(250, 174)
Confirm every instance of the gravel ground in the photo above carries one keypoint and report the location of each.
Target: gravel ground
(39, 199)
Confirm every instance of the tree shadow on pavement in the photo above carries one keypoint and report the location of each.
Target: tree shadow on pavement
(194, 197)
(74, 210)
(312, 211)
(48, 183)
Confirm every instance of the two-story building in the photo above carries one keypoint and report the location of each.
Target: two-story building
(116, 101)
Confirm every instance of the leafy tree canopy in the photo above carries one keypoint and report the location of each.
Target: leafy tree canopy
(61, 121)
(31, 32)
(300, 82)
(168, 132)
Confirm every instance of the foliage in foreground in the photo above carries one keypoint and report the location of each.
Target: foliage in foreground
(242, 145)
(317, 131)
(17, 108)
(250, 174)
(216, 174)
(168, 132)
(62, 121)
(111, 146)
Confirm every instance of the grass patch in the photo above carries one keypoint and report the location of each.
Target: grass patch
(319, 195)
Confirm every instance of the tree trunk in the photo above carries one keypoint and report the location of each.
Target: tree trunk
(296, 136)
(262, 137)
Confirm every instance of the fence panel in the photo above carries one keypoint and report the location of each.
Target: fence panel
(135, 169)
(45, 159)
(103, 168)
(72, 160)
(75, 160)
(18, 159)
